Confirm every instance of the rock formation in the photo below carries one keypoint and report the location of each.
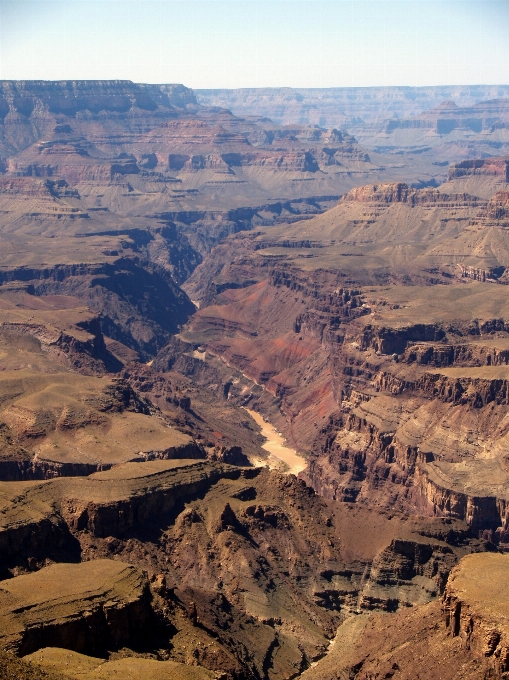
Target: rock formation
(166, 268)
(444, 123)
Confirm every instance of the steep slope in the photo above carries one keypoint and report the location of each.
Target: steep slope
(463, 638)
(113, 192)
(374, 336)
(250, 571)
(31, 110)
(398, 392)
(157, 139)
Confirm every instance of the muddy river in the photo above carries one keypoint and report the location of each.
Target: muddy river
(276, 447)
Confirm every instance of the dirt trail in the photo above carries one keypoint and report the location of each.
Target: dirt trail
(275, 445)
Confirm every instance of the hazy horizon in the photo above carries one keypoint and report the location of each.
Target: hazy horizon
(229, 44)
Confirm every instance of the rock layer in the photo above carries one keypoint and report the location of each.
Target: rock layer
(84, 607)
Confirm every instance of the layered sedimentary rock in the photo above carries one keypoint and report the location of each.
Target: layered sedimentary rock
(249, 569)
(374, 336)
(404, 389)
(475, 606)
(335, 106)
(443, 123)
(463, 637)
(84, 607)
(113, 192)
(31, 110)
(73, 419)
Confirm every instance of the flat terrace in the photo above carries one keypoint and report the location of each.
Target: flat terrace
(27, 504)
(400, 306)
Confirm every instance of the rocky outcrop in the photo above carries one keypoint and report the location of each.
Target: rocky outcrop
(289, 566)
(111, 503)
(88, 356)
(396, 340)
(139, 302)
(133, 506)
(476, 392)
(379, 193)
(459, 354)
(486, 515)
(384, 194)
(475, 610)
(490, 275)
(44, 107)
(86, 607)
(465, 637)
(28, 468)
(498, 206)
(497, 167)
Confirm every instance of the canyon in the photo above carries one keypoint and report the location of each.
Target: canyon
(445, 123)
(254, 382)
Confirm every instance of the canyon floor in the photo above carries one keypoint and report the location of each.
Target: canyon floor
(254, 388)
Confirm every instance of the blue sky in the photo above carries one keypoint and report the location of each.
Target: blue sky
(257, 43)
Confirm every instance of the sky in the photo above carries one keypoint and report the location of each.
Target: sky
(257, 43)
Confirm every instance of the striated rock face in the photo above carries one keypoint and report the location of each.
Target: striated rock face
(497, 167)
(466, 637)
(71, 106)
(333, 325)
(111, 503)
(475, 608)
(384, 193)
(119, 291)
(443, 123)
(129, 506)
(250, 569)
(498, 206)
(153, 147)
(84, 607)
(398, 393)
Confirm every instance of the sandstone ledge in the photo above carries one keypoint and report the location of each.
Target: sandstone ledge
(476, 606)
(84, 607)
(37, 516)
(74, 665)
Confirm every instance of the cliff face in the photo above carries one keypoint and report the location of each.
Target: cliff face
(68, 120)
(374, 336)
(474, 609)
(498, 167)
(91, 607)
(109, 192)
(244, 564)
(395, 390)
(464, 637)
(119, 292)
(31, 110)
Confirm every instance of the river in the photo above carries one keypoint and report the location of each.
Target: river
(275, 445)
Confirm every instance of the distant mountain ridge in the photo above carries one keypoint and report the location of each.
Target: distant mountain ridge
(337, 106)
